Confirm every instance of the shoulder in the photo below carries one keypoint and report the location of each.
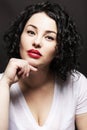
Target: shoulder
(79, 75)
(78, 79)
(76, 84)
(80, 90)
(75, 81)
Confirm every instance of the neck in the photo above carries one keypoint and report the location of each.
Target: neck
(37, 79)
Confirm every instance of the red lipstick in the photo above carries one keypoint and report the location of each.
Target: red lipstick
(34, 54)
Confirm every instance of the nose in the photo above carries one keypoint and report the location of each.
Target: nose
(37, 42)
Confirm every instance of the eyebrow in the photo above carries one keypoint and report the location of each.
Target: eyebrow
(47, 31)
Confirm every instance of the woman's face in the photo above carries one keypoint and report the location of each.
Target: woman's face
(38, 40)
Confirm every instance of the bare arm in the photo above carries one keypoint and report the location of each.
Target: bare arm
(16, 69)
(4, 105)
(81, 121)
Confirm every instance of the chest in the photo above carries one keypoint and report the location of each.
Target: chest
(40, 107)
(58, 114)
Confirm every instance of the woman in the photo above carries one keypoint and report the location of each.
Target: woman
(46, 91)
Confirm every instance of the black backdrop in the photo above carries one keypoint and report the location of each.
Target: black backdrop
(76, 8)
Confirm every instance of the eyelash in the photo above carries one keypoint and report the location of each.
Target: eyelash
(50, 38)
(31, 32)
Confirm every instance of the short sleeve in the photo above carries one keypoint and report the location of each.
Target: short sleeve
(81, 105)
(1, 74)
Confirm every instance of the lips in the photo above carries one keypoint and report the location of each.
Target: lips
(34, 54)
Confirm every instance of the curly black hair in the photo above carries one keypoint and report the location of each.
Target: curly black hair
(68, 38)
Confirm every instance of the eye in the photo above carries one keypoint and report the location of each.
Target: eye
(31, 33)
(50, 38)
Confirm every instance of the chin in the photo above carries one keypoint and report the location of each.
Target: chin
(33, 63)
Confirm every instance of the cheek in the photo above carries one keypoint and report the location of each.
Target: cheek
(49, 56)
(24, 40)
(21, 50)
(52, 50)
(21, 42)
(23, 47)
(24, 44)
(51, 53)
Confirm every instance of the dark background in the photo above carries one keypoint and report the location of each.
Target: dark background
(76, 8)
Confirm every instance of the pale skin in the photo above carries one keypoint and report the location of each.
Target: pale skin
(41, 35)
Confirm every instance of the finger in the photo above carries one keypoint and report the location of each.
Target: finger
(33, 68)
(20, 72)
(26, 71)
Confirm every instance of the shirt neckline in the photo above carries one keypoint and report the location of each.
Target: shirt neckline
(28, 112)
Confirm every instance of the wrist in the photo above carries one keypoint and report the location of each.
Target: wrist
(5, 82)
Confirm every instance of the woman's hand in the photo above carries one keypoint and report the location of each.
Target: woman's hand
(16, 69)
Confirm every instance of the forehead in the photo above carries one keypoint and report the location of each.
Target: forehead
(42, 20)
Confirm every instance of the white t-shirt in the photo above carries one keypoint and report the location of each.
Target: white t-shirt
(69, 99)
